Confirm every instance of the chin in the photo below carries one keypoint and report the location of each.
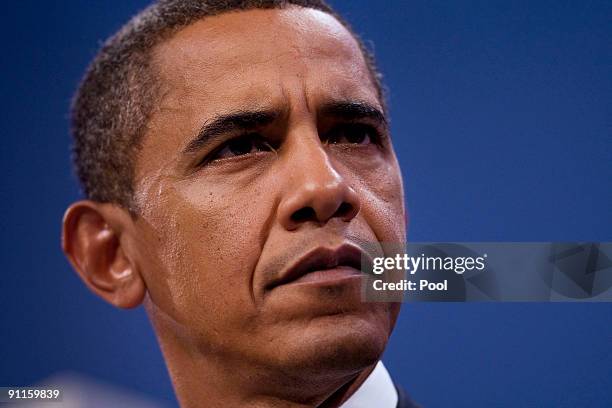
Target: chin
(339, 343)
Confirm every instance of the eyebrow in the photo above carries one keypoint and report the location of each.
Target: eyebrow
(353, 110)
(230, 122)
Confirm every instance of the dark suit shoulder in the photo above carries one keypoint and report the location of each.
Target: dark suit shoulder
(404, 400)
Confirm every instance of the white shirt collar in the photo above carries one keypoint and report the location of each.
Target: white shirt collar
(376, 391)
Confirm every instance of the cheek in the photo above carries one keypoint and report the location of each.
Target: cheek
(377, 179)
(209, 241)
(383, 203)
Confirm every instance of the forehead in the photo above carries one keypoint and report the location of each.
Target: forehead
(238, 57)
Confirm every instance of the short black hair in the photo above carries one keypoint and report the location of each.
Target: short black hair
(112, 105)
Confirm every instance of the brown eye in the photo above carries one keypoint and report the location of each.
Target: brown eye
(353, 133)
(241, 146)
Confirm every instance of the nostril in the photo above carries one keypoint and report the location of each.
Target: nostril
(344, 210)
(304, 214)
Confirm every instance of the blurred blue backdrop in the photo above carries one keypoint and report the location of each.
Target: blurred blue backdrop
(502, 118)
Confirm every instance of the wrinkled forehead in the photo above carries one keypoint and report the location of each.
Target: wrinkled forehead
(241, 57)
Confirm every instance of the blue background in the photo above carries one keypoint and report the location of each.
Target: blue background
(502, 118)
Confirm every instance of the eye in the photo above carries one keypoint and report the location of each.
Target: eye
(241, 146)
(353, 133)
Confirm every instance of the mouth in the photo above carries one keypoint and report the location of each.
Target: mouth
(324, 266)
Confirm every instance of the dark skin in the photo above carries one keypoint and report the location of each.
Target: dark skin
(269, 141)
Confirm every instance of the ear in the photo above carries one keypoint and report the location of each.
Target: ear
(96, 239)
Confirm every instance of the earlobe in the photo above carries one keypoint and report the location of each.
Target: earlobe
(95, 238)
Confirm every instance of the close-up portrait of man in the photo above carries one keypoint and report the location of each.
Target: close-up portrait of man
(226, 203)
(236, 158)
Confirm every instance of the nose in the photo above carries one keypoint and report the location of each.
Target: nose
(316, 192)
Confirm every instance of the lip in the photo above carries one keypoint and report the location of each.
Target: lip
(323, 265)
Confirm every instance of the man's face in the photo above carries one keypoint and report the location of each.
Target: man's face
(266, 158)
